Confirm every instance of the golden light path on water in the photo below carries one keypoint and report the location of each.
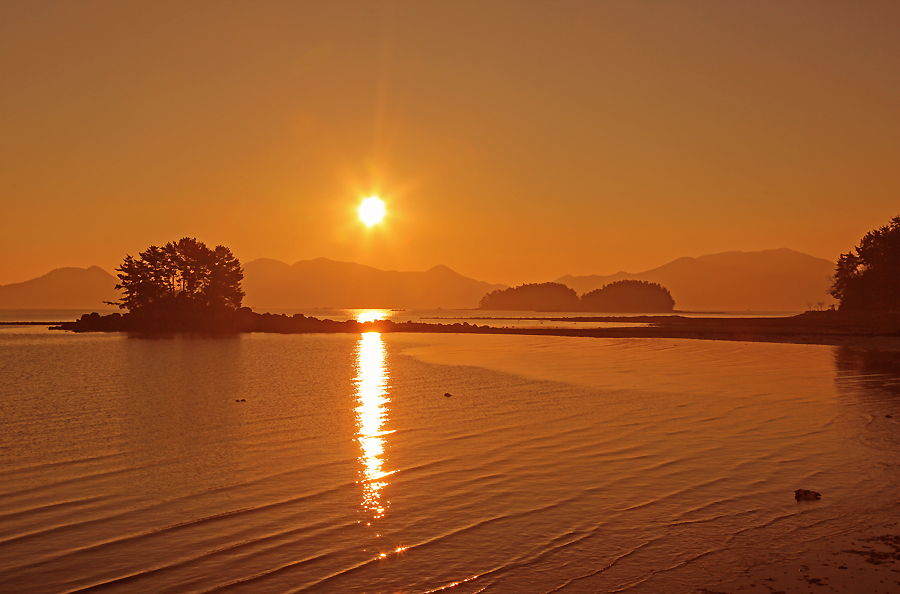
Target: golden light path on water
(372, 315)
(371, 413)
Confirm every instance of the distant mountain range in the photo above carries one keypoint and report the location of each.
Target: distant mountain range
(327, 283)
(770, 280)
(63, 288)
(270, 284)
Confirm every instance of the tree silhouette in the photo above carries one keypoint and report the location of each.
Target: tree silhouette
(184, 275)
(631, 296)
(868, 278)
(532, 297)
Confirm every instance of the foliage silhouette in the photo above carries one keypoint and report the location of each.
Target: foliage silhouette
(532, 297)
(868, 278)
(181, 284)
(632, 296)
(620, 296)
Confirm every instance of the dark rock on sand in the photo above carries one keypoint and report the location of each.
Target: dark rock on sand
(806, 495)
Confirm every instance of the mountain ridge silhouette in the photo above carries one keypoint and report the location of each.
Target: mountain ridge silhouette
(767, 280)
(322, 282)
(62, 288)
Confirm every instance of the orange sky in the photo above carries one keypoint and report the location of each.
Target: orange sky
(512, 141)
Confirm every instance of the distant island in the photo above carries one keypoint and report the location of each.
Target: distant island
(532, 297)
(624, 296)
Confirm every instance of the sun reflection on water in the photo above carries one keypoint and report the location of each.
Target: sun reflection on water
(371, 413)
(371, 315)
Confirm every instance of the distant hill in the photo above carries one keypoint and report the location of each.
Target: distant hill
(326, 283)
(768, 280)
(270, 284)
(63, 288)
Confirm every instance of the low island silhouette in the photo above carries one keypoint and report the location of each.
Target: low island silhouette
(624, 296)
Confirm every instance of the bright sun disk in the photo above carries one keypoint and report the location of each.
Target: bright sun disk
(371, 211)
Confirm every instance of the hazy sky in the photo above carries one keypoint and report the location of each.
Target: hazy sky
(512, 141)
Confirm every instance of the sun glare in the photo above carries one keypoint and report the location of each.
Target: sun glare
(371, 315)
(371, 211)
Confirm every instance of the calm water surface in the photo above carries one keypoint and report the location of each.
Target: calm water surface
(335, 463)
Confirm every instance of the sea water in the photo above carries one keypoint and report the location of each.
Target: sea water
(415, 463)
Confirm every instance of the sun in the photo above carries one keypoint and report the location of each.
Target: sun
(371, 211)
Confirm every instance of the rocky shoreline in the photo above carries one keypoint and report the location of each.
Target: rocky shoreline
(826, 327)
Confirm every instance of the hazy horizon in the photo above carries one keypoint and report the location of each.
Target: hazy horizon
(773, 280)
(512, 142)
(563, 271)
(112, 268)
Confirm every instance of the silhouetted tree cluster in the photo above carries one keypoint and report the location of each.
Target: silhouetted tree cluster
(181, 279)
(532, 297)
(868, 278)
(618, 297)
(631, 296)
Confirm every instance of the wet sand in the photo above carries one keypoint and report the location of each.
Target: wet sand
(867, 561)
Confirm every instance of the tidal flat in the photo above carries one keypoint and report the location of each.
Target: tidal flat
(336, 462)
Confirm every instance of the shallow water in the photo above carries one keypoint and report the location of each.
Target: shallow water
(335, 463)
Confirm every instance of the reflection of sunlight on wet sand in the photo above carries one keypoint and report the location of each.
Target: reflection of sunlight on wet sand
(371, 412)
(372, 315)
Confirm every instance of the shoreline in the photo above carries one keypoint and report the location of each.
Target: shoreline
(813, 328)
(32, 323)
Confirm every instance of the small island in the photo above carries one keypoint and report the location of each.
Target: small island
(624, 296)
